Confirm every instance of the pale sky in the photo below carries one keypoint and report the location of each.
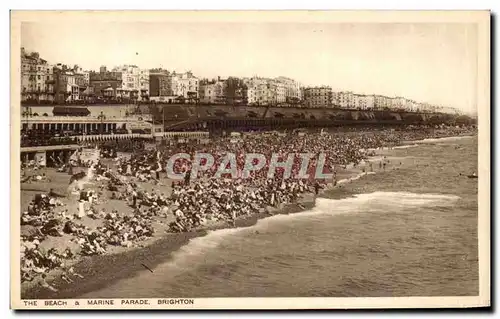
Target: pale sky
(435, 63)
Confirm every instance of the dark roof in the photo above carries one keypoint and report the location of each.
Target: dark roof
(70, 110)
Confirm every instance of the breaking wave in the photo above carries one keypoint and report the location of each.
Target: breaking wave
(444, 139)
(405, 146)
(370, 202)
(196, 247)
(347, 180)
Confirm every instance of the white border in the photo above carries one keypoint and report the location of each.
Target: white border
(257, 4)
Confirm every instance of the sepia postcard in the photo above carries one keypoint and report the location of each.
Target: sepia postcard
(250, 159)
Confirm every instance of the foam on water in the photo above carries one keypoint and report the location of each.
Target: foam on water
(405, 146)
(377, 202)
(347, 180)
(393, 147)
(443, 139)
(392, 199)
(196, 247)
(416, 143)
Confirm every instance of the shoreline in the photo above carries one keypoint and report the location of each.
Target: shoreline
(100, 271)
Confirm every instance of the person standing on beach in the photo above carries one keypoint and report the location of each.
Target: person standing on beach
(187, 177)
(317, 187)
(157, 172)
(134, 198)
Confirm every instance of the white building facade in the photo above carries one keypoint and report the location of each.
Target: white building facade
(135, 82)
(292, 92)
(261, 91)
(345, 100)
(37, 78)
(185, 85)
(363, 102)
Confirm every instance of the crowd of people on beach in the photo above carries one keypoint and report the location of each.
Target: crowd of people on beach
(48, 216)
(38, 222)
(130, 145)
(198, 200)
(194, 202)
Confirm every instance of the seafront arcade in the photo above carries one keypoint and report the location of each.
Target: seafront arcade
(50, 140)
(85, 125)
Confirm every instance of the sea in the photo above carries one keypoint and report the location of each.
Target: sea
(407, 230)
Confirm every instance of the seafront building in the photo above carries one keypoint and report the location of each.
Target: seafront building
(212, 92)
(37, 78)
(292, 89)
(260, 91)
(278, 91)
(44, 83)
(135, 82)
(159, 84)
(411, 105)
(363, 102)
(165, 86)
(67, 89)
(106, 84)
(345, 100)
(184, 85)
(399, 103)
(319, 96)
(382, 102)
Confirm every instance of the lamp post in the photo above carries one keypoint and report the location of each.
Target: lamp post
(163, 117)
(28, 113)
